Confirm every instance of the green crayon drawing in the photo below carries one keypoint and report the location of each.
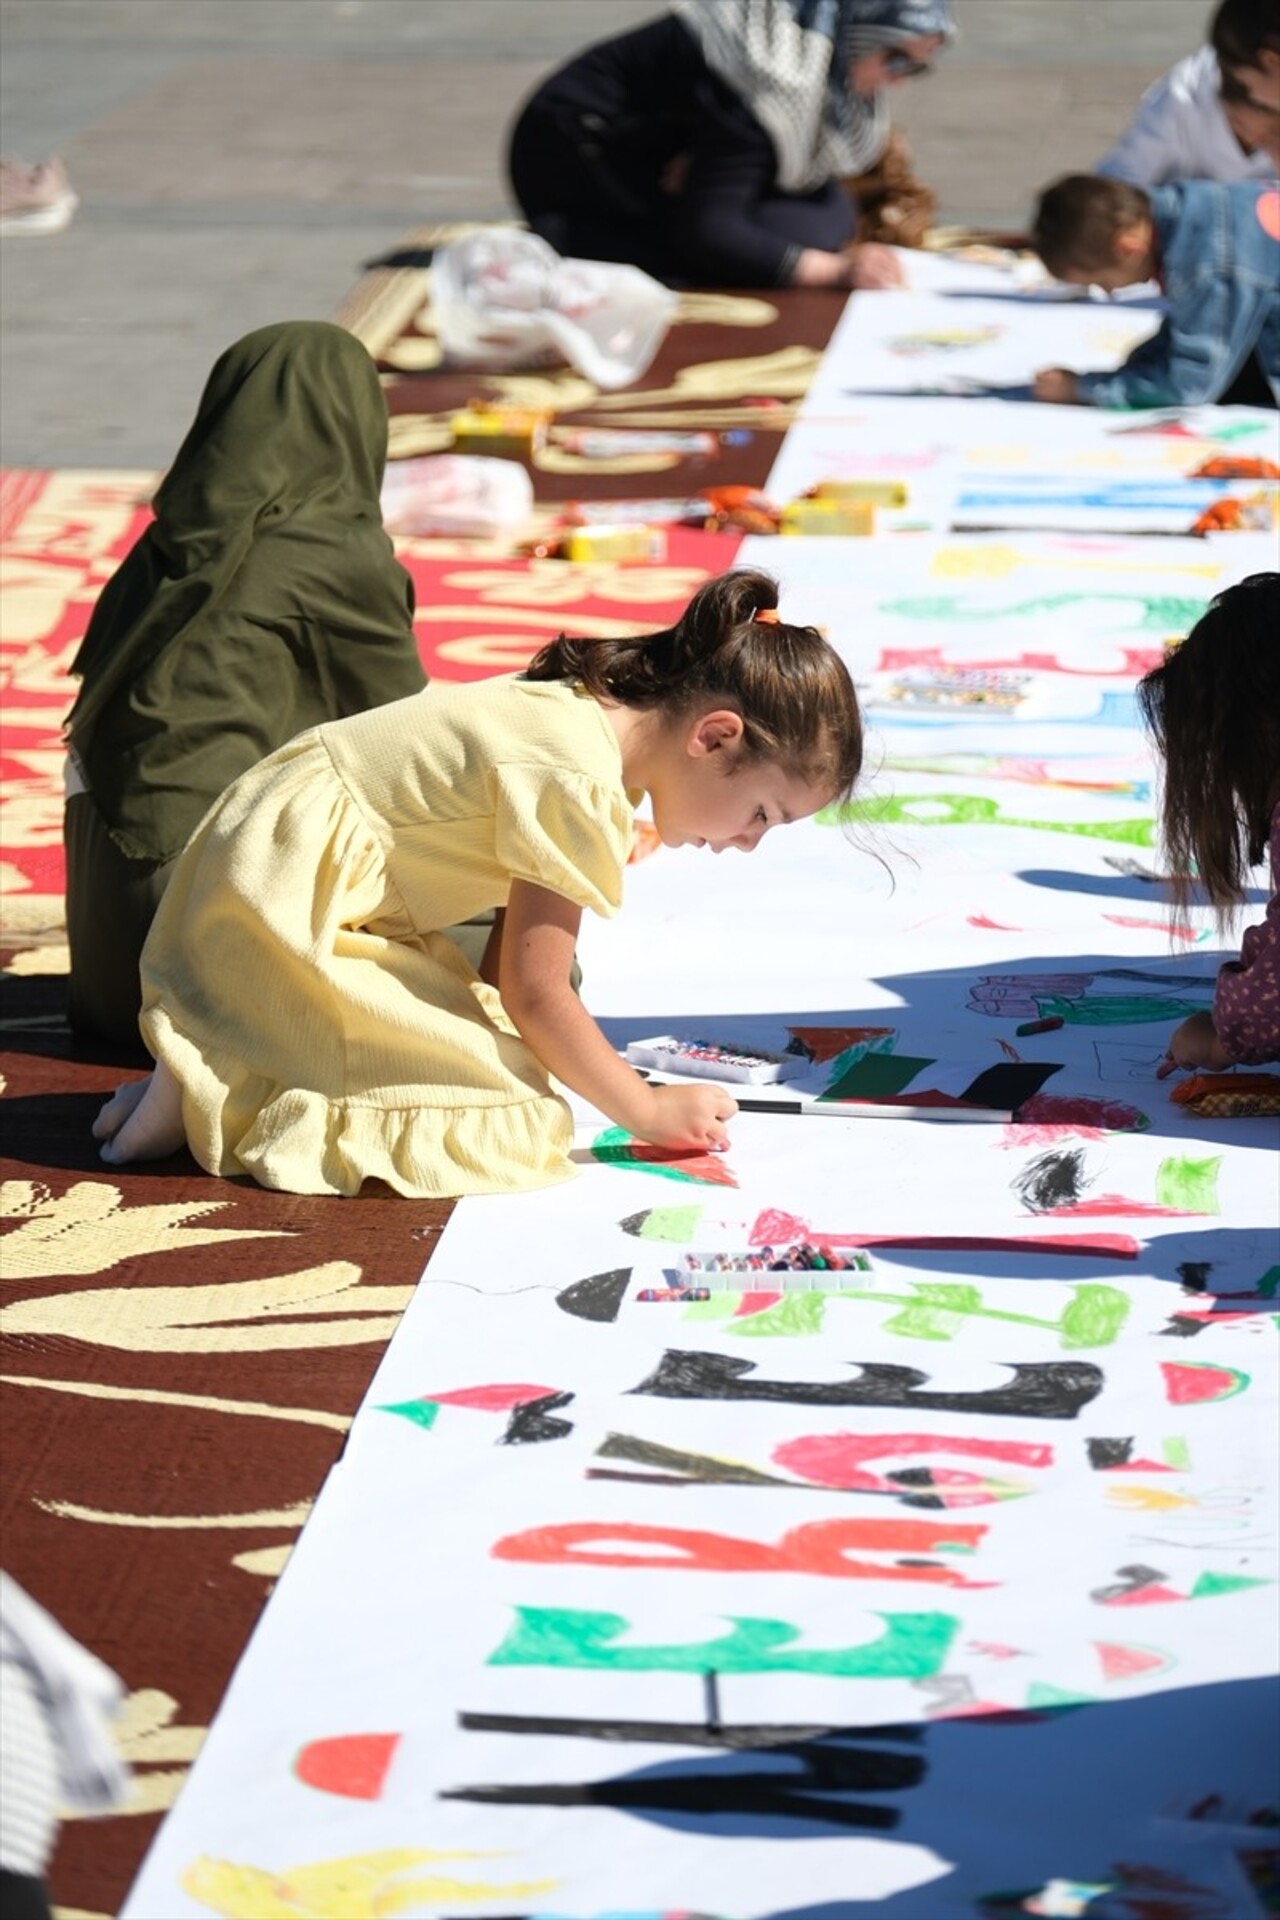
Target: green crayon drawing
(670, 1223)
(971, 809)
(933, 1310)
(1115, 1009)
(912, 1647)
(939, 1309)
(1161, 613)
(1190, 1186)
(1040, 1694)
(794, 1313)
(1238, 430)
(1209, 1585)
(423, 1413)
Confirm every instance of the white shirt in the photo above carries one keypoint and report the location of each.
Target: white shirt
(1180, 132)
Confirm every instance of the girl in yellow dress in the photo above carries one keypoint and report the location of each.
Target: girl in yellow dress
(313, 1026)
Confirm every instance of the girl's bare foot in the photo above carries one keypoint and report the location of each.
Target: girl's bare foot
(142, 1121)
(118, 1108)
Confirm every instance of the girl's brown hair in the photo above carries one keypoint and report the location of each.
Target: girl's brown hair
(791, 689)
(1213, 709)
(1241, 29)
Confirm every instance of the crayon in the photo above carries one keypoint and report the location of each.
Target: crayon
(1049, 1024)
(647, 544)
(881, 493)
(845, 517)
(606, 443)
(513, 432)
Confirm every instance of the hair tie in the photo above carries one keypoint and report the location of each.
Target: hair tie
(768, 616)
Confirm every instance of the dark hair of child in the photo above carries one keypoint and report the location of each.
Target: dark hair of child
(1213, 709)
(789, 686)
(1242, 29)
(1077, 219)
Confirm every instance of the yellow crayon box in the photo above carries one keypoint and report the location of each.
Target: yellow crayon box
(881, 493)
(615, 543)
(509, 432)
(855, 518)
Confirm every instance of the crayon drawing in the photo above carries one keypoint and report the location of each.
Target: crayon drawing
(944, 340)
(876, 1517)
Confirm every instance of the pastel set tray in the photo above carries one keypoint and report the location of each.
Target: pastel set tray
(709, 1060)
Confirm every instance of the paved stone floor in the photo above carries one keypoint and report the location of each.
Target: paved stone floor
(239, 161)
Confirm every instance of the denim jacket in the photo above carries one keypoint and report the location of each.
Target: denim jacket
(1219, 248)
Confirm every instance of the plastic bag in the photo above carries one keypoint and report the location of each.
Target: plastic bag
(466, 496)
(505, 299)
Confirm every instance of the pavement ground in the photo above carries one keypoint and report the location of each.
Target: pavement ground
(242, 161)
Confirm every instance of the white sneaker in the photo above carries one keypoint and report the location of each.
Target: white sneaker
(35, 199)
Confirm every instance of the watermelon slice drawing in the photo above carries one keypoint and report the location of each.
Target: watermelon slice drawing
(615, 1147)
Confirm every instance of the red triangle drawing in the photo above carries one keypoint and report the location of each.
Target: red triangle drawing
(967, 1709)
(1121, 1663)
(683, 1164)
(773, 1228)
(494, 1398)
(827, 1043)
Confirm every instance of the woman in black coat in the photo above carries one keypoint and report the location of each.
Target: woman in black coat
(708, 147)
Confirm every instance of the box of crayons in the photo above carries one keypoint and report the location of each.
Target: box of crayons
(819, 1265)
(960, 689)
(712, 1060)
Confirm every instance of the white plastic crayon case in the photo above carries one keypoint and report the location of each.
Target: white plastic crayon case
(708, 1060)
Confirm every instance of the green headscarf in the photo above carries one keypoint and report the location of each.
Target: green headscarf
(264, 599)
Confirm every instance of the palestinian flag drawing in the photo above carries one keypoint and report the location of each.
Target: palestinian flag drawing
(903, 1084)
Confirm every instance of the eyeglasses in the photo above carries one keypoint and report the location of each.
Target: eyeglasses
(903, 66)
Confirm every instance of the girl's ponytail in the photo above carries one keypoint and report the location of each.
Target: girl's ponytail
(651, 668)
(792, 690)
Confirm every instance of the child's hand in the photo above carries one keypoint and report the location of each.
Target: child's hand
(872, 265)
(1195, 1044)
(688, 1117)
(1056, 385)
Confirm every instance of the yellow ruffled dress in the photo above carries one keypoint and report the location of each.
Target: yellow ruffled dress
(322, 1028)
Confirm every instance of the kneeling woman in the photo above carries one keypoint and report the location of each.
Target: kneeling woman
(709, 146)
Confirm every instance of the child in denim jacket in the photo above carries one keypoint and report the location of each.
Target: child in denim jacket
(1214, 249)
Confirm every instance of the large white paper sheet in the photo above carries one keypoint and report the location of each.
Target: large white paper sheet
(1012, 464)
(930, 1571)
(924, 344)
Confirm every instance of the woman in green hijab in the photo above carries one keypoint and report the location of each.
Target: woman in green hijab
(264, 599)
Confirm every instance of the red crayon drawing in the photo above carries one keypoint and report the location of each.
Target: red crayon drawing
(353, 1765)
(821, 1547)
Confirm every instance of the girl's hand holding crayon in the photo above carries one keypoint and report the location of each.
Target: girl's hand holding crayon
(1195, 1044)
(688, 1117)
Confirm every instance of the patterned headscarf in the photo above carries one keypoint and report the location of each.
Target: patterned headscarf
(790, 59)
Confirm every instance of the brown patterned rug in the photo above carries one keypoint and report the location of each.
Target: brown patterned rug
(183, 1355)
